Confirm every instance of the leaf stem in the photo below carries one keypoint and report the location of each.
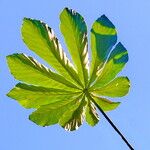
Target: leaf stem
(112, 124)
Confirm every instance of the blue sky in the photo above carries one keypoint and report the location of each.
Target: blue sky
(131, 19)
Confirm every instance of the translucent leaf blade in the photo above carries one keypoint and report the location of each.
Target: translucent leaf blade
(103, 38)
(115, 63)
(74, 30)
(30, 96)
(117, 88)
(74, 117)
(50, 114)
(41, 39)
(28, 70)
(92, 117)
(105, 104)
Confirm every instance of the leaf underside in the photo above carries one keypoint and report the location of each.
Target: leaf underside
(67, 93)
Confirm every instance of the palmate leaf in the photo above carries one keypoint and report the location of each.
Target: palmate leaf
(70, 94)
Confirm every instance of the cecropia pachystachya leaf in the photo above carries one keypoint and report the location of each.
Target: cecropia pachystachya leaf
(67, 94)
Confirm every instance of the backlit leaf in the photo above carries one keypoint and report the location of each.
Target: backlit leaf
(68, 93)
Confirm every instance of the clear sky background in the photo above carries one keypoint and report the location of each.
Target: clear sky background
(132, 20)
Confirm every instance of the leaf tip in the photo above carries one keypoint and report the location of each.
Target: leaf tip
(105, 21)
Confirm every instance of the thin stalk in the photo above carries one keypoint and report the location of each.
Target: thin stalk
(112, 124)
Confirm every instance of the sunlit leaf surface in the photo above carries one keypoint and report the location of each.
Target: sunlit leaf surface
(67, 91)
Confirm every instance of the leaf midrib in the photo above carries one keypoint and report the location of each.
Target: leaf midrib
(75, 40)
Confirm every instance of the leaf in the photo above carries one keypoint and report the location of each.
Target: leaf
(103, 38)
(117, 88)
(92, 117)
(27, 69)
(41, 39)
(30, 96)
(115, 63)
(74, 117)
(69, 93)
(50, 114)
(105, 104)
(74, 30)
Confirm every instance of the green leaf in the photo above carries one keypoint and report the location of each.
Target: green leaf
(70, 93)
(30, 96)
(103, 38)
(50, 114)
(41, 39)
(92, 117)
(27, 69)
(117, 88)
(115, 63)
(74, 30)
(74, 117)
(105, 104)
